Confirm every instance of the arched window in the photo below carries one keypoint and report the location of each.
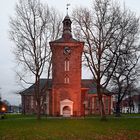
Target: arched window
(67, 65)
(66, 80)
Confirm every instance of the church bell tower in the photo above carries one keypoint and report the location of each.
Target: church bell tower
(66, 73)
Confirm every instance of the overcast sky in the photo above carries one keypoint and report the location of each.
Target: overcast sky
(8, 83)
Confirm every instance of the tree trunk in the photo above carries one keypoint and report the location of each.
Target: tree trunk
(101, 104)
(38, 112)
(118, 112)
(38, 96)
(102, 110)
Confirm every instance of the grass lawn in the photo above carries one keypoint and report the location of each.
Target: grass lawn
(19, 127)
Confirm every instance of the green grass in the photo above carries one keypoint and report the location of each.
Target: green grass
(19, 127)
(131, 115)
(14, 116)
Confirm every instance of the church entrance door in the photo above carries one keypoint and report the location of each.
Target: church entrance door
(66, 111)
(66, 108)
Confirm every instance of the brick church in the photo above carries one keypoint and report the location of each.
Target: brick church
(67, 94)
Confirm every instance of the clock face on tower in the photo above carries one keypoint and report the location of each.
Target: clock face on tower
(67, 50)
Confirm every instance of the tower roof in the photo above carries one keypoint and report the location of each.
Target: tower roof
(67, 18)
(85, 83)
(67, 33)
(67, 28)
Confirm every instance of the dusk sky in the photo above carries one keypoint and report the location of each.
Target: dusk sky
(8, 85)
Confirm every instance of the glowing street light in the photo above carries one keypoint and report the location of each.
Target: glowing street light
(3, 109)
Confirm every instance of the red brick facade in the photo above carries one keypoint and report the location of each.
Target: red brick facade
(69, 96)
(66, 71)
(66, 84)
(89, 100)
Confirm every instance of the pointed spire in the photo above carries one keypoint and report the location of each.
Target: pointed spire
(67, 26)
(67, 8)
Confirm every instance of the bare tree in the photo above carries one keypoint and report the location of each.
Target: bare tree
(125, 77)
(126, 74)
(104, 29)
(33, 26)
